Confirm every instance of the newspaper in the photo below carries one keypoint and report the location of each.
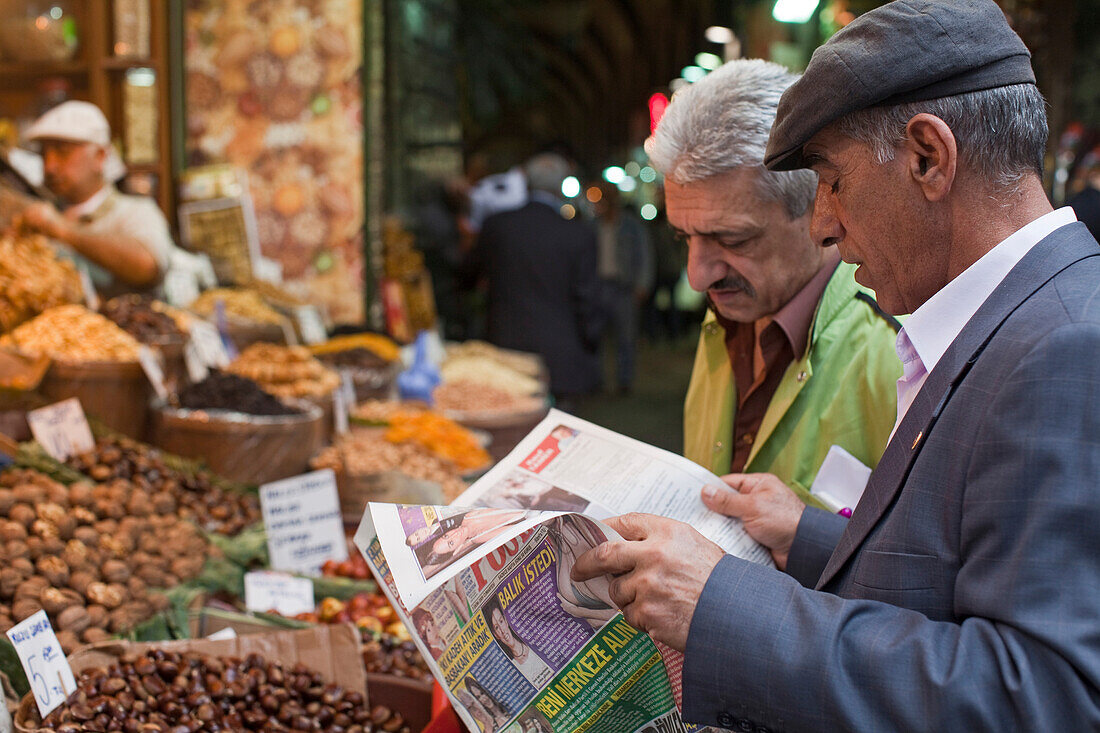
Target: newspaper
(484, 585)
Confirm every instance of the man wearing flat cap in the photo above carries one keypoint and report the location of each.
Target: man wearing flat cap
(963, 594)
(122, 241)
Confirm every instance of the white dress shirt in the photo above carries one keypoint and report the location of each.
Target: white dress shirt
(932, 327)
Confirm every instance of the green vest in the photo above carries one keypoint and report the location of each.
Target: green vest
(842, 391)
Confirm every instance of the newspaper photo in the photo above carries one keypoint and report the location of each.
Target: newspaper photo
(485, 588)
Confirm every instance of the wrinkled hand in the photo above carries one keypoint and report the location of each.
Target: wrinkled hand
(45, 219)
(660, 571)
(767, 506)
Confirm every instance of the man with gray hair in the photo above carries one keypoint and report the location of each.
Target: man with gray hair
(540, 272)
(794, 356)
(964, 594)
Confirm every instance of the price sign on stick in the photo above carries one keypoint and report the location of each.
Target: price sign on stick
(61, 429)
(208, 345)
(265, 590)
(153, 371)
(310, 324)
(48, 672)
(303, 522)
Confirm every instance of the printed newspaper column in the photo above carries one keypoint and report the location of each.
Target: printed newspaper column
(48, 672)
(303, 522)
(61, 429)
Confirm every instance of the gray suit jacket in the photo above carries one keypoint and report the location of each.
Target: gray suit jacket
(965, 592)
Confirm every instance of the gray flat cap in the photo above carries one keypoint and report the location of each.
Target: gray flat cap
(904, 51)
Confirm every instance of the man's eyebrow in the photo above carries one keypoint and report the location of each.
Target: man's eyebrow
(736, 233)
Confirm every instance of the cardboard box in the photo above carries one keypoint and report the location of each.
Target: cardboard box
(331, 650)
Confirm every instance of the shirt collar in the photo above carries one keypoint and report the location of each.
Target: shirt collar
(936, 323)
(88, 205)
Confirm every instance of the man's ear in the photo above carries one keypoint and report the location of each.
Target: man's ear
(931, 155)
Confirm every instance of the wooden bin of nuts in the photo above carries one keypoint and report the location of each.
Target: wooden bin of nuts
(93, 360)
(301, 676)
(249, 449)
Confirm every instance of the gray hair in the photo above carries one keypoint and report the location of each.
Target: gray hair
(545, 172)
(1000, 132)
(721, 123)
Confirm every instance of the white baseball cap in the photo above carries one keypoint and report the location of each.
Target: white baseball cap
(75, 121)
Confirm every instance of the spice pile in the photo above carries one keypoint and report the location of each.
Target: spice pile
(440, 435)
(476, 361)
(198, 498)
(285, 371)
(73, 333)
(33, 279)
(222, 391)
(472, 397)
(381, 346)
(365, 451)
(137, 315)
(162, 690)
(88, 554)
(246, 305)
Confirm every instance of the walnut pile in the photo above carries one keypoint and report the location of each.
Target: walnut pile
(89, 555)
(193, 497)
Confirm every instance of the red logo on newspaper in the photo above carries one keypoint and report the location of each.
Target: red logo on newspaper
(546, 452)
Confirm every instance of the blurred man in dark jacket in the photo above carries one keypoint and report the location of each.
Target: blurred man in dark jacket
(543, 292)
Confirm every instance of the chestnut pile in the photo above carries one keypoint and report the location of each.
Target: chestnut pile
(194, 497)
(387, 654)
(88, 555)
(189, 692)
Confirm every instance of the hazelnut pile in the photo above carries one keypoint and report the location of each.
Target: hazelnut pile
(188, 692)
(193, 497)
(88, 555)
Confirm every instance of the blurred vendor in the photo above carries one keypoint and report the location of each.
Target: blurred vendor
(122, 241)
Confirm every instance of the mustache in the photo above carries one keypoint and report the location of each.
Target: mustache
(733, 282)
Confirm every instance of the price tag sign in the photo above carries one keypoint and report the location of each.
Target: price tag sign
(265, 590)
(310, 324)
(62, 429)
(150, 364)
(196, 366)
(347, 385)
(303, 522)
(48, 672)
(340, 411)
(208, 345)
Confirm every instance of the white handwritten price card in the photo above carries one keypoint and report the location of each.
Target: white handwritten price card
(310, 324)
(48, 672)
(61, 429)
(154, 372)
(303, 522)
(208, 344)
(289, 595)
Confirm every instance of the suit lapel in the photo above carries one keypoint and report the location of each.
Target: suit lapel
(1050, 256)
